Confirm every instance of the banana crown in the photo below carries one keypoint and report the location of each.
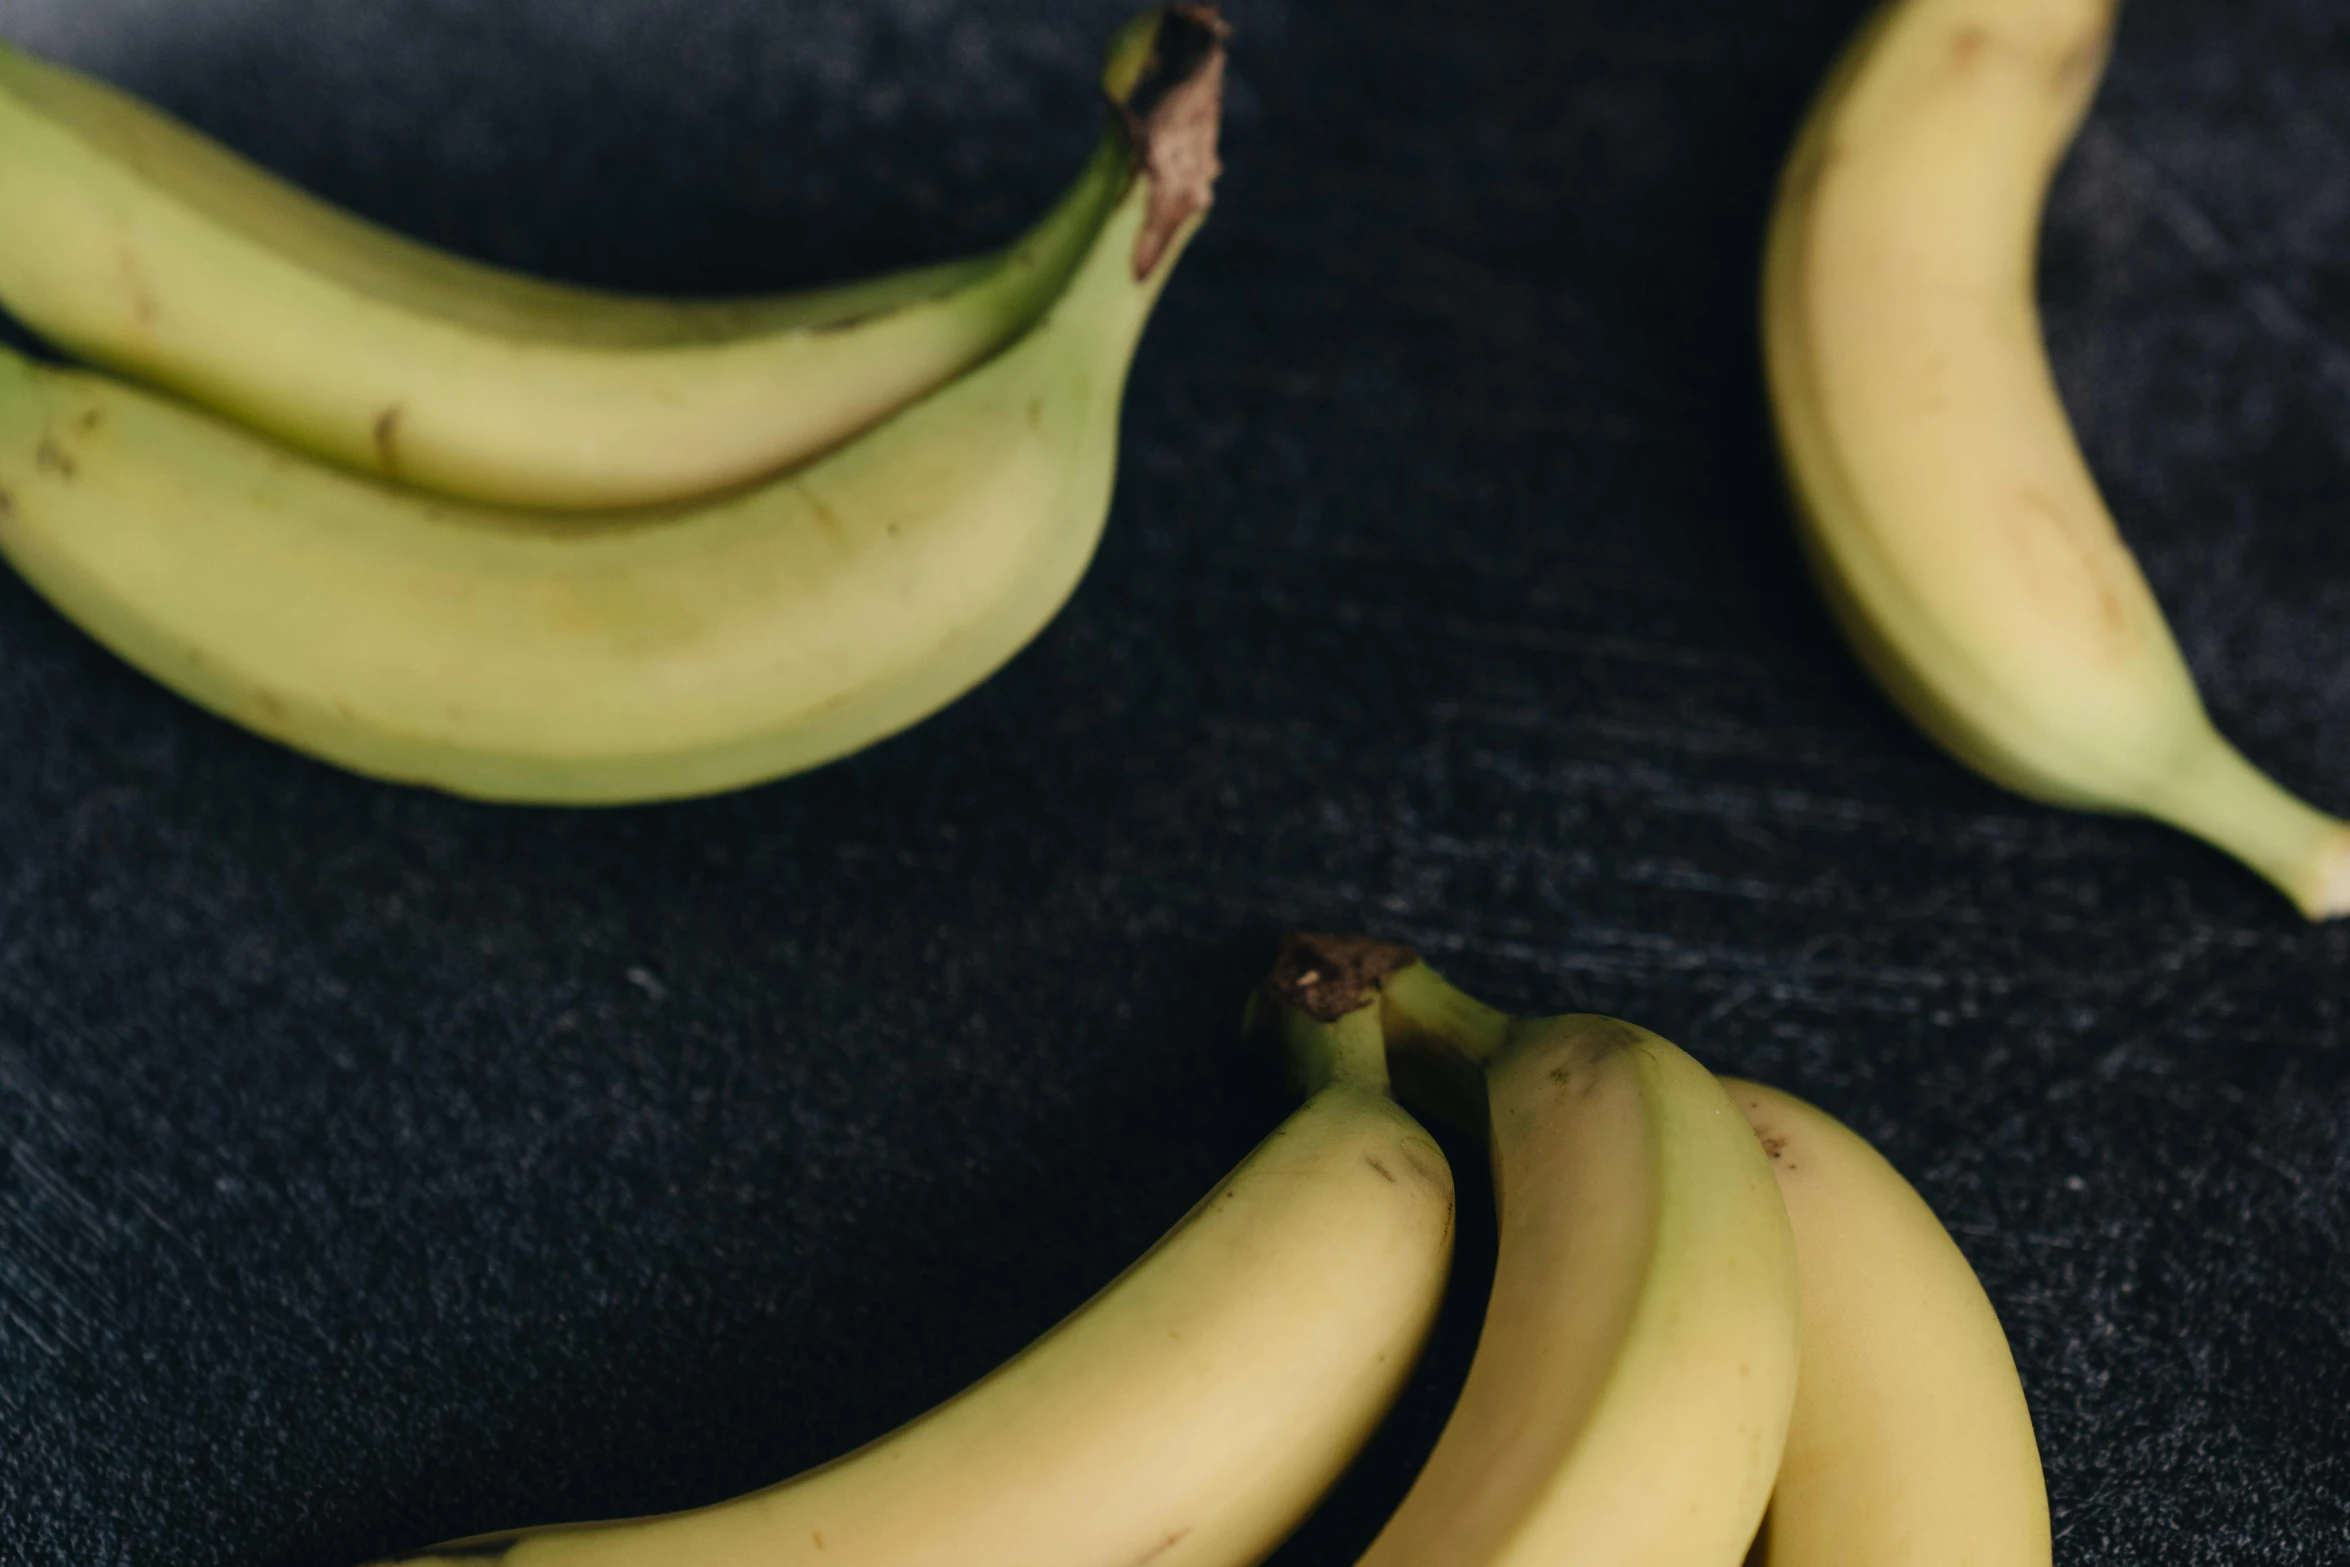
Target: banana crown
(1319, 1008)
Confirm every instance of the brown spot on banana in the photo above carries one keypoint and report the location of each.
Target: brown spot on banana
(1611, 1032)
(2070, 566)
(1163, 1547)
(387, 439)
(135, 288)
(826, 518)
(53, 458)
(1385, 1173)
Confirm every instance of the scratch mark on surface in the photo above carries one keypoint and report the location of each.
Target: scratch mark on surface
(2203, 239)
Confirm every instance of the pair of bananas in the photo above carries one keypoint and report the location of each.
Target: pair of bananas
(430, 626)
(444, 524)
(1709, 1299)
(1949, 516)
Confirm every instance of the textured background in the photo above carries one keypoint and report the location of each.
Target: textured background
(376, 1168)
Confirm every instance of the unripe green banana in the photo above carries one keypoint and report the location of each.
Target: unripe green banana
(1188, 1416)
(139, 245)
(582, 658)
(1631, 1387)
(1911, 1444)
(1945, 506)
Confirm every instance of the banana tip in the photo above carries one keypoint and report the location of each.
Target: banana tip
(2328, 896)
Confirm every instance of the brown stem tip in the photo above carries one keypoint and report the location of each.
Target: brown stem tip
(1173, 115)
(1326, 977)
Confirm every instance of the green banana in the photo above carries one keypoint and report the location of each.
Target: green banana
(1948, 514)
(1632, 1385)
(1911, 1444)
(141, 246)
(1188, 1416)
(618, 656)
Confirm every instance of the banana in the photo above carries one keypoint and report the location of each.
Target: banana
(1188, 1416)
(582, 658)
(1911, 1445)
(1631, 1387)
(1948, 514)
(139, 245)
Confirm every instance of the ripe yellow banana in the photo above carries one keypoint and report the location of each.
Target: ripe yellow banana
(582, 658)
(1188, 1416)
(139, 245)
(1911, 1444)
(1631, 1387)
(1949, 516)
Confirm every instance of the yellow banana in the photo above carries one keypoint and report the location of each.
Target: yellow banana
(1911, 1445)
(1948, 513)
(613, 656)
(1631, 1387)
(1188, 1416)
(140, 245)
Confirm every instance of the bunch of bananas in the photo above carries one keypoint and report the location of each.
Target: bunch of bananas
(440, 523)
(1710, 1300)
(1950, 519)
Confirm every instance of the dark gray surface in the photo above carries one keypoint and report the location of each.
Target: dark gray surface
(376, 1168)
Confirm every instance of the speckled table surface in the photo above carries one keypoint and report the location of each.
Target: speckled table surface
(376, 1168)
